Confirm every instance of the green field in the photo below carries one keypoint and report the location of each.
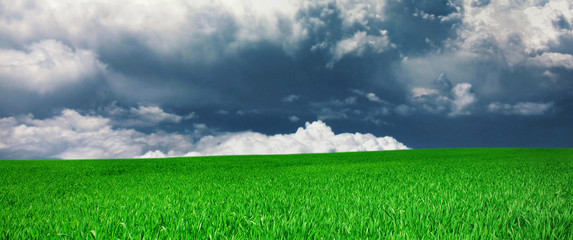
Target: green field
(413, 194)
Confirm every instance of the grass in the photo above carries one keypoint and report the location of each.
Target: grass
(412, 194)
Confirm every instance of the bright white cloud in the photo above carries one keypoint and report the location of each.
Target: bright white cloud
(71, 135)
(513, 29)
(358, 44)
(522, 108)
(315, 137)
(46, 66)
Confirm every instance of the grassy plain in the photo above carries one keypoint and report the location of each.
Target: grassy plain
(413, 194)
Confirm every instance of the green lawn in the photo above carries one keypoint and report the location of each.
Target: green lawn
(414, 194)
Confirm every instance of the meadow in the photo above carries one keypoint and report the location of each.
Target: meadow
(406, 194)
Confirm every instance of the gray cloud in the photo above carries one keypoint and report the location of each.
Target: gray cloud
(291, 98)
(359, 43)
(457, 101)
(552, 60)
(522, 108)
(144, 116)
(293, 118)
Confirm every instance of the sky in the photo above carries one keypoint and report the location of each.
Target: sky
(132, 78)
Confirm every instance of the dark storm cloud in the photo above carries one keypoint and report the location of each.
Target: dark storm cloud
(430, 73)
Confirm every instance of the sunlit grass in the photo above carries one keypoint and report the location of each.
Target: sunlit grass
(437, 194)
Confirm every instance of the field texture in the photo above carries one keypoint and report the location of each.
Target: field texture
(413, 194)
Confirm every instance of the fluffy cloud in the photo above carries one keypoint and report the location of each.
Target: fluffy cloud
(293, 118)
(462, 99)
(71, 135)
(315, 137)
(552, 59)
(360, 12)
(144, 116)
(522, 108)
(358, 44)
(514, 29)
(202, 29)
(46, 66)
(435, 100)
(495, 42)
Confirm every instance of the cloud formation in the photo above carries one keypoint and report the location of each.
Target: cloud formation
(443, 97)
(522, 108)
(71, 135)
(315, 137)
(265, 66)
(144, 116)
(46, 66)
(358, 44)
(553, 60)
(515, 28)
(212, 29)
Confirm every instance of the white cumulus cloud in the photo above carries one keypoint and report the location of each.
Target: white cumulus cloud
(315, 137)
(47, 65)
(72, 135)
(154, 114)
(516, 27)
(493, 37)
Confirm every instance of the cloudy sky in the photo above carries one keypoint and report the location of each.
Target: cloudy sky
(131, 78)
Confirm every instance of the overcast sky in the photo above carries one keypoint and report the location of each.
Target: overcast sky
(130, 78)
